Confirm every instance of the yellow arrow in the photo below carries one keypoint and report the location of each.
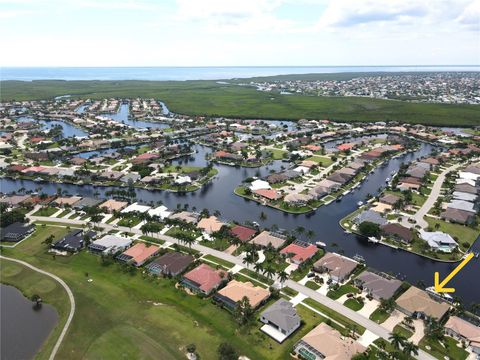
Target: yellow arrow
(439, 286)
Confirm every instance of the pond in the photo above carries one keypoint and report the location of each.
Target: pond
(23, 328)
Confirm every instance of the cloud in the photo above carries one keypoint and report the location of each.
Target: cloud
(470, 17)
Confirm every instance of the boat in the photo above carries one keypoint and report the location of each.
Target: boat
(38, 179)
(338, 199)
(320, 244)
(373, 239)
(476, 255)
(360, 203)
(359, 258)
(387, 179)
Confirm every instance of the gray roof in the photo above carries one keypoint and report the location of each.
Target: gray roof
(283, 314)
(458, 195)
(370, 216)
(87, 202)
(380, 286)
(462, 205)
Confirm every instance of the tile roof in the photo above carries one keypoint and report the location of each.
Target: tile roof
(416, 300)
(205, 277)
(243, 233)
(236, 290)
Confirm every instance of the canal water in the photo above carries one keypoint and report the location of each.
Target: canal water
(68, 130)
(218, 195)
(23, 329)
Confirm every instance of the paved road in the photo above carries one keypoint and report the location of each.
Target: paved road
(70, 296)
(324, 300)
(432, 198)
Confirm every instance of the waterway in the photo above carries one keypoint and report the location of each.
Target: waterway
(23, 329)
(68, 130)
(218, 195)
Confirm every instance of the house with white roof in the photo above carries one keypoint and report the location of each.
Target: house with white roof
(110, 244)
(135, 207)
(259, 185)
(438, 240)
(161, 212)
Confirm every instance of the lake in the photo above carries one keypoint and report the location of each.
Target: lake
(23, 329)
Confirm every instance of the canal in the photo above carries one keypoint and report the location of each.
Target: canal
(23, 328)
(218, 195)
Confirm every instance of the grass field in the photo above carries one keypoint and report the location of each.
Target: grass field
(211, 98)
(123, 315)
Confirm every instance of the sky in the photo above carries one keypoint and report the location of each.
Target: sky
(239, 33)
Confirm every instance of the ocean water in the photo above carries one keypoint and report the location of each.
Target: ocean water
(197, 73)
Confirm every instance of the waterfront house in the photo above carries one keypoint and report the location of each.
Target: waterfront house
(380, 286)
(438, 240)
(280, 319)
(160, 212)
(397, 232)
(409, 183)
(204, 279)
(389, 199)
(111, 175)
(266, 238)
(369, 216)
(324, 342)
(130, 178)
(185, 216)
(464, 331)
(112, 205)
(136, 208)
(67, 201)
(138, 254)
(297, 199)
(259, 185)
(337, 266)
(16, 232)
(235, 291)
(299, 252)
(170, 264)
(417, 303)
(15, 200)
(86, 202)
(210, 224)
(269, 194)
(242, 233)
(109, 244)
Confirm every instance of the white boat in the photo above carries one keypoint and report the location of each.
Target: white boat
(373, 239)
(360, 203)
(387, 179)
(359, 258)
(320, 244)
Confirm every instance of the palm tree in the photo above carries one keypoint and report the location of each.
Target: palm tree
(299, 230)
(410, 348)
(258, 267)
(269, 272)
(282, 276)
(310, 234)
(397, 340)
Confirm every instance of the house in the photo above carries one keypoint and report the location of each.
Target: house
(67, 201)
(417, 172)
(467, 188)
(235, 291)
(379, 286)
(397, 232)
(438, 240)
(14, 200)
(170, 264)
(86, 202)
(369, 216)
(73, 241)
(324, 342)
(109, 244)
(242, 233)
(457, 216)
(462, 205)
(132, 177)
(417, 303)
(266, 238)
(280, 319)
(204, 279)
(458, 195)
(138, 254)
(299, 252)
(185, 216)
(161, 212)
(16, 232)
(259, 185)
(464, 331)
(136, 208)
(210, 224)
(389, 199)
(337, 266)
(269, 194)
(297, 199)
(112, 205)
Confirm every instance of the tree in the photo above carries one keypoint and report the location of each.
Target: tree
(387, 305)
(243, 311)
(397, 340)
(368, 228)
(226, 352)
(191, 348)
(310, 234)
(410, 348)
(282, 276)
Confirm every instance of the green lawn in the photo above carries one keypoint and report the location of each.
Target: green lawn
(277, 154)
(152, 239)
(346, 322)
(403, 331)
(219, 261)
(325, 161)
(134, 316)
(257, 276)
(379, 316)
(312, 285)
(231, 100)
(353, 304)
(449, 348)
(342, 290)
(64, 213)
(217, 244)
(459, 232)
(129, 222)
(46, 211)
